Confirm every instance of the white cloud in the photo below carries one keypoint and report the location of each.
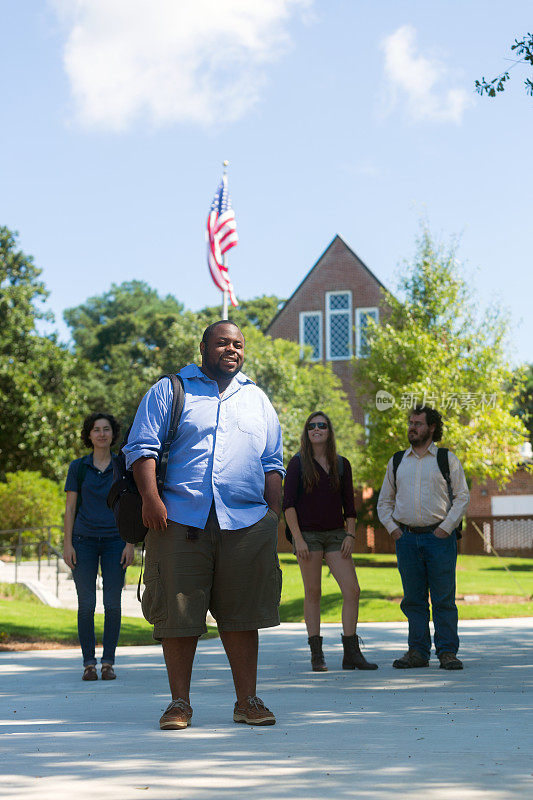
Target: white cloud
(421, 83)
(198, 61)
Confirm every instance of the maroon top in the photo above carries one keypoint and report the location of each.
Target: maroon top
(322, 508)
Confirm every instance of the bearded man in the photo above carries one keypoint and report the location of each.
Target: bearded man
(421, 504)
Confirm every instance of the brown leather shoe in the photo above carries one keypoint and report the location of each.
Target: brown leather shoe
(450, 661)
(411, 659)
(177, 716)
(254, 712)
(108, 673)
(89, 673)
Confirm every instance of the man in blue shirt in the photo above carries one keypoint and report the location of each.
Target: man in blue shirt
(213, 534)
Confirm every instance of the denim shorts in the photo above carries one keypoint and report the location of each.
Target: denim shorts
(327, 541)
(233, 574)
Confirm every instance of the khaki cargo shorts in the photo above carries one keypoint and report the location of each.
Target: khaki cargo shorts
(328, 541)
(233, 574)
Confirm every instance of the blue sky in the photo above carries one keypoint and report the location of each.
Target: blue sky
(337, 116)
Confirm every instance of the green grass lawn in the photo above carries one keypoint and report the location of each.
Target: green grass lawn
(22, 617)
(381, 588)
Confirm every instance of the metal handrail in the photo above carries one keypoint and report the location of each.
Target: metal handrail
(39, 544)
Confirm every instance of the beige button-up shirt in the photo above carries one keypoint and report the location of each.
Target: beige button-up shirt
(421, 495)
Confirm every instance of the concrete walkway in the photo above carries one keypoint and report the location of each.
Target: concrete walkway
(423, 734)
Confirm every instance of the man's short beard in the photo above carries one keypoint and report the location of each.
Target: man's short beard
(418, 442)
(219, 373)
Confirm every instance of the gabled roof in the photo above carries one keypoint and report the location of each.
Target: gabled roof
(317, 264)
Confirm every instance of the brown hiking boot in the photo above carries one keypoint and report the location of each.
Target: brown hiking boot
(177, 716)
(89, 673)
(450, 661)
(353, 657)
(108, 673)
(318, 662)
(254, 712)
(411, 659)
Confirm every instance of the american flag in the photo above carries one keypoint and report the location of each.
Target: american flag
(221, 237)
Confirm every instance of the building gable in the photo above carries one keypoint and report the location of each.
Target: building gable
(338, 268)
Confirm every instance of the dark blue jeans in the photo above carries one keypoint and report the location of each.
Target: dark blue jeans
(89, 551)
(427, 563)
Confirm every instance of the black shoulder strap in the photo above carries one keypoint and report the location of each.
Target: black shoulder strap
(444, 466)
(443, 462)
(178, 400)
(82, 472)
(396, 459)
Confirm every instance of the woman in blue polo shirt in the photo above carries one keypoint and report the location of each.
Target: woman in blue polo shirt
(91, 537)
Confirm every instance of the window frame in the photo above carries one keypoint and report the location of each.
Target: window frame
(358, 314)
(336, 312)
(303, 315)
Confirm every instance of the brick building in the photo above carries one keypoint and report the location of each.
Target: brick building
(328, 311)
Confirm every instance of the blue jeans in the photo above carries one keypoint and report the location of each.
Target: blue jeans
(89, 551)
(427, 563)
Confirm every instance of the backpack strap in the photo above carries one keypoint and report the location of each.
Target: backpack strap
(139, 598)
(178, 400)
(396, 460)
(444, 466)
(443, 462)
(82, 472)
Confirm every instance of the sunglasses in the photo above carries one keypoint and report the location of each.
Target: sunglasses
(321, 425)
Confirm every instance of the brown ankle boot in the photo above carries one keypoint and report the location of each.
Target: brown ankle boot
(353, 657)
(318, 662)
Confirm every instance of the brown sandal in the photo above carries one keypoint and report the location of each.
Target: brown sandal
(108, 673)
(89, 673)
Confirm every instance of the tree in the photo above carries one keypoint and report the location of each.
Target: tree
(522, 47)
(432, 348)
(259, 312)
(40, 381)
(296, 388)
(124, 335)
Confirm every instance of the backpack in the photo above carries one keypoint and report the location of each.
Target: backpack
(444, 466)
(124, 499)
(340, 469)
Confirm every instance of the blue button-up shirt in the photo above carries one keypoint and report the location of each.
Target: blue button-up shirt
(223, 448)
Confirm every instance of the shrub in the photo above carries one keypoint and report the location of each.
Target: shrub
(27, 500)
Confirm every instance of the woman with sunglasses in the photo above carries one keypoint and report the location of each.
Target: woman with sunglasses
(318, 498)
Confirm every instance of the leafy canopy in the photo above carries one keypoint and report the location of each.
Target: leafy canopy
(259, 312)
(41, 383)
(433, 348)
(522, 47)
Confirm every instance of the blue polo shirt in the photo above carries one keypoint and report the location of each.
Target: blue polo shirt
(94, 518)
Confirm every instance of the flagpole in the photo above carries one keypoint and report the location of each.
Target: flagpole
(225, 294)
(225, 302)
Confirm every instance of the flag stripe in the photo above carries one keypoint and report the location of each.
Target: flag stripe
(221, 236)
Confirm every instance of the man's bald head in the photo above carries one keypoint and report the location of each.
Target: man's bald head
(211, 329)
